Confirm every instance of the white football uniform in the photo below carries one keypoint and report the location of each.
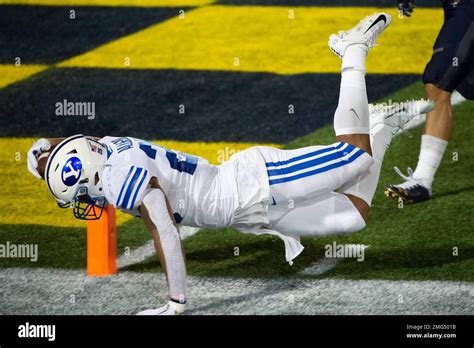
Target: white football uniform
(200, 194)
(250, 192)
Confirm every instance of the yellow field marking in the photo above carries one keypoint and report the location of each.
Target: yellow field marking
(264, 39)
(11, 73)
(110, 3)
(26, 200)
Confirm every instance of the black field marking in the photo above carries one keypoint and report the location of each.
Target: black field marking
(331, 3)
(219, 106)
(46, 34)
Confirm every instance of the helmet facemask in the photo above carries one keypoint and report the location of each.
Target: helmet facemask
(87, 207)
(74, 176)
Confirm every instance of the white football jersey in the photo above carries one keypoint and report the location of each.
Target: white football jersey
(235, 193)
(200, 194)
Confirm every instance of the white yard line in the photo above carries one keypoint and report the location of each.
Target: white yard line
(137, 255)
(35, 291)
(321, 266)
(147, 250)
(326, 264)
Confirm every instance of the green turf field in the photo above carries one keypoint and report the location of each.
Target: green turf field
(414, 242)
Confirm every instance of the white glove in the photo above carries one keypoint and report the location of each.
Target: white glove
(171, 308)
(34, 152)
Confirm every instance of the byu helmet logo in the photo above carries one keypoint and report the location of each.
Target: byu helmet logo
(71, 171)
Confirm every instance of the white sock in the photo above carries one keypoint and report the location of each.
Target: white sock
(354, 58)
(352, 113)
(365, 185)
(431, 153)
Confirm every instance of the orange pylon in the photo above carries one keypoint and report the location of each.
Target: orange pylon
(102, 244)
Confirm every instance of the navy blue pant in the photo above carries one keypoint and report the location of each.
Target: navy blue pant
(452, 63)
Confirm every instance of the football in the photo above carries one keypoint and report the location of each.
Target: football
(42, 160)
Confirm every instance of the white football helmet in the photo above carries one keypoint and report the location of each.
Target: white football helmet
(73, 175)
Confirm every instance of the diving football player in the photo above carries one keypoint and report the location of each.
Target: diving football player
(311, 191)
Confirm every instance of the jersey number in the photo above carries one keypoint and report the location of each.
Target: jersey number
(179, 161)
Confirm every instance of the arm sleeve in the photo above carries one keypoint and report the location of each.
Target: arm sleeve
(155, 203)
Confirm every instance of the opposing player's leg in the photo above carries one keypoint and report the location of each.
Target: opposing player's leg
(450, 67)
(438, 126)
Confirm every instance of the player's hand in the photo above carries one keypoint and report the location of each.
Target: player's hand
(171, 308)
(406, 7)
(34, 152)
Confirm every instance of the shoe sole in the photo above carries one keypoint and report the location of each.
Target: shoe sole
(396, 196)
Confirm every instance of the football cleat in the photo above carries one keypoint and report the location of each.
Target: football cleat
(171, 308)
(397, 115)
(411, 191)
(366, 33)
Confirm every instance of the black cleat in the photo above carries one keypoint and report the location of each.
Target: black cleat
(411, 191)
